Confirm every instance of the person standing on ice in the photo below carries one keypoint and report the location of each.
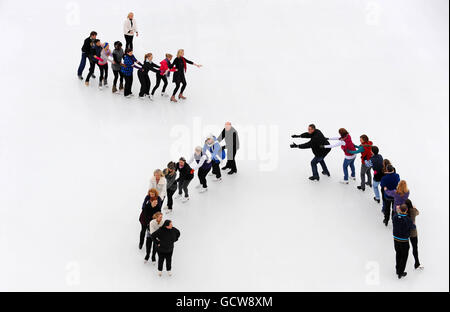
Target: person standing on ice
(129, 62)
(412, 214)
(402, 227)
(85, 51)
(231, 137)
(365, 149)
(185, 177)
(158, 181)
(171, 184)
(94, 53)
(164, 72)
(347, 146)
(376, 163)
(389, 181)
(116, 66)
(129, 29)
(152, 204)
(179, 76)
(103, 60)
(217, 154)
(154, 225)
(165, 237)
(316, 143)
(144, 79)
(202, 164)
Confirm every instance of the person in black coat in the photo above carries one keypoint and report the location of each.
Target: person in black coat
(147, 66)
(85, 51)
(185, 177)
(152, 204)
(316, 143)
(94, 52)
(180, 63)
(164, 238)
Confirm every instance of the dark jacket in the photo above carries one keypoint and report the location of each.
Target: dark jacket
(402, 227)
(390, 180)
(165, 239)
(317, 139)
(185, 172)
(171, 183)
(87, 44)
(148, 211)
(149, 66)
(377, 166)
(180, 65)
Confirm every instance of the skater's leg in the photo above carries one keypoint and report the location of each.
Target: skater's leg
(164, 79)
(314, 162)
(142, 235)
(352, 167)
(177, 86)
(345, 167)
(376, 191)
(116, 77)
(82, 64)
(142, 82)
(160, 261)
(169, 261)
(147, 85)
(369, 176)
(324, 166)
(158, 81)
(148, 247)
(170, 198)
(414, 243)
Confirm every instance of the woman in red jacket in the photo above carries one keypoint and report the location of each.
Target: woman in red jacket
(164, 71)
(366, 153)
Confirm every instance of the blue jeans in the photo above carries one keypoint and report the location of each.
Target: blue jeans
(82, 63)
(351, 163)
(375, 189)
(318, 160)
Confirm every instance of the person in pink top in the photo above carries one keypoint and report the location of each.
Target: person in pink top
(346, 144)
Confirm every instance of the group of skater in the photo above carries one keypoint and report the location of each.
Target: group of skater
(387, 186)
(123, 62)
(158, 234)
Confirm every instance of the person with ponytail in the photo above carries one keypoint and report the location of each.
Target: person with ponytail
(147, 66)
(347, 146)
(164, 72)
(180, 63)
(413, 213)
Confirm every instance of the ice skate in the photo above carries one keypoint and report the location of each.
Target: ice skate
(402, 275)
(105, 84)
(420, 267)
(232, 172)
(185, 199)
(203, 190)
(100, 85)
(360, 188)
(159, 273)
(178, 196)
(326, 173)
(376, 199)
(198, 186)
(121, 87)
(114, 89)
(87, 83)
(164, 94)
(353, 178)
(150, 97)
(169, 273)
(182, 97)
(344, 181)
(173, 99)
(217, 180)
(80, 77)
(313, 178)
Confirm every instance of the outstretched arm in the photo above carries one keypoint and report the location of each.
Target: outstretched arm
(359, 149)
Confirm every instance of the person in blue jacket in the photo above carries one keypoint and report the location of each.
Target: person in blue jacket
(129, 62)
(390, 181)
(217, 154)
(402, 227)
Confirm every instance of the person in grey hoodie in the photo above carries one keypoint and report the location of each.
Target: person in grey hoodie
(116, 65)
(231, 137)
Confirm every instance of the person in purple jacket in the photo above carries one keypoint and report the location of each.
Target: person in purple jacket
(400, 194)
(388, 182)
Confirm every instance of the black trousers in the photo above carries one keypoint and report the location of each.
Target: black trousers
(181, 81)
(117, 74)
(128, 42)
(91, 70)
(170, 198)
(216, 169)
(231, 163)
(158, 81)
(145, 83)
(183, 186)
(142, 235)
(167, 256)
(128, 85)
(401, 255)
(388, 202)
(415, 251)
(202, 173)
(103, 72)
(148, 246)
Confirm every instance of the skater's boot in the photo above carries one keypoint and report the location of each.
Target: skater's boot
(232, 172)
(359, 187)
(80, 77)
(150, 97)
(326, 173)
(105, 83)
(100, 84)
(376, 199)
(181, 96)
(114, 89)
(402, 275)
(173, 99)
(313, 178)
(86, 83)
(164, 94)
(121, 86)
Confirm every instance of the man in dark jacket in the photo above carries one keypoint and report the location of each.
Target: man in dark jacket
(376, 163)
(316, 143)
(94, 52)
(85, 50)
(390, 181)
(231, 137)
(164, 239)
(402, 226)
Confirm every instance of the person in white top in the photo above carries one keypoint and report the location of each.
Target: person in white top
(202, 164)
(159, 182)
(154, 225)
(129, 29)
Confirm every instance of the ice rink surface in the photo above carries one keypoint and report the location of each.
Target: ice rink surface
(75, 162)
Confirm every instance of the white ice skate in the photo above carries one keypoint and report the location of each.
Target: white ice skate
(164, 94)
(353, 178)
(153, 262)
(420, 267)
(203, 190)
(178, 196)
(169, 273)
(160, 273)
(344, 181)
(150, 97)
(145, 261)
(141, 97)
(185, 199)
(217, 180)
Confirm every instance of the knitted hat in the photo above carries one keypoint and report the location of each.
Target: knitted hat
(105, 45)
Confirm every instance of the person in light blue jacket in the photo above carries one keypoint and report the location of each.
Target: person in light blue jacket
(213, 147)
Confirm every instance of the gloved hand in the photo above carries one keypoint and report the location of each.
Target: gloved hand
(295, 136)
(293, 145)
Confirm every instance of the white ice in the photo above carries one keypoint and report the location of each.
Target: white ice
(75, 162)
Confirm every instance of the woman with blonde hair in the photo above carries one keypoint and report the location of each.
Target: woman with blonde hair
(147, 66)
(154, 225)
(152, 204)
(180, 63)
(158, 181)
(400, 194)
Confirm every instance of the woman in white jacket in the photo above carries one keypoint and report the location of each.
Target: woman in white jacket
(154, 225)
(129, 29)
(201, 163)
(159, 182)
